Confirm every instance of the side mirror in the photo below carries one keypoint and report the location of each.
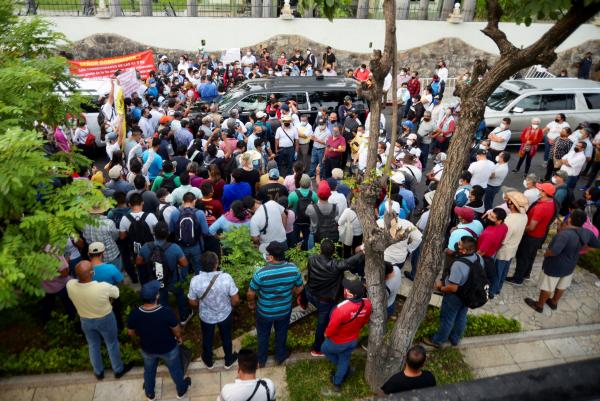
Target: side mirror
(518, 110)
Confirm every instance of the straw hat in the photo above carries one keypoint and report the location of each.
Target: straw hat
(519, 200)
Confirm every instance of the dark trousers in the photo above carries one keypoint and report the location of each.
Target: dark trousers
(593, 173)
(549, 169)
(285, 159)
(47, 304)
(303, 229)
(349, 250)
(424, 154)
(527, 158)
(490, 193)
(125, 251)
(208, 333)
(526, 253)
(263, 332)
(331, 163)
(324, 309)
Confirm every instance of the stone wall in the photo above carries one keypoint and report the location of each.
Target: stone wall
(458, 54)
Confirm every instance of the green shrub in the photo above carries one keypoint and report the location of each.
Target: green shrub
(299, 257)
(241, 257)
(591, 261)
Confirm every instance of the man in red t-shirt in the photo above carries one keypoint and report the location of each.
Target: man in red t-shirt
(346, 321)
(362, 73)
(492, 236)
(336, 147)
(539, 217)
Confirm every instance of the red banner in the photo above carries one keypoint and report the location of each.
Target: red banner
(143, 62)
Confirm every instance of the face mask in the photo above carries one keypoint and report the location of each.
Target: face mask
(328, 69)
(577, 150)
(427, 118)
(362, 70)
(286, 124)
(297, 54)
(410, 142)
(554, 180)
(525, 183)
(303, 123)
(248, 54)
(534, 126)
(270, 72)
(336, 134)
(482, 147)
(436, 102)
(556, 120)
(502, 126)
(181, 60)
(397, 149)
(497, 159)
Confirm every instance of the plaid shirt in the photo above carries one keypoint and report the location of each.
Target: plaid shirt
(105, 232)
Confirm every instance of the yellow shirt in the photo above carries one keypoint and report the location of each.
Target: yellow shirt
(92, 299)
(264, 180)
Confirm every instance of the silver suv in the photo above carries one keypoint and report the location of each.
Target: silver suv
(523, 99)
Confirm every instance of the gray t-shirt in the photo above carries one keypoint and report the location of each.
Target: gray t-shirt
(426, 128)
(325, 208)
(275, 230)
(459, 271)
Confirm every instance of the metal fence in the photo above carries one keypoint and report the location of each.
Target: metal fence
(208, 8)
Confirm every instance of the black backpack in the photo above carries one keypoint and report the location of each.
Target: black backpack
(157, 266)
(474, 292)
(188, 227)
(303, 202)
(168, 183)
(327, 227)
(139, 232)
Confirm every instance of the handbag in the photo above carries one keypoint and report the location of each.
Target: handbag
(346, 234)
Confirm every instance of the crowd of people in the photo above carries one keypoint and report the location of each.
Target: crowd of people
(178, 183)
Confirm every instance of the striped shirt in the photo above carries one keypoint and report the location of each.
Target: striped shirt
(274, 284)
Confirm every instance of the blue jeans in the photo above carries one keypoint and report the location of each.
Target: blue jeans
(316, 157)
(96, 330)
(453, 320)
(324, 309)
(424, 154)
(208, 333)
(547, 147)
(285, 159)
(572, 181)
(182, 302)
(263, 332)
(340, 355)
(192, 253)
(502, 267)
(390, 309)
(173, 362)
(490, 193)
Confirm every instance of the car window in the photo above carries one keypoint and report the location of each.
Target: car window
(592, 100)
(530, 103)
(249, 103)
(501, 98)
(300, 99)
(558, 102)
(329, 100)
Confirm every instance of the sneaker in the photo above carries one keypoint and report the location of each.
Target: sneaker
(99, 376)
(150, 398)
(188, 382)
(551, 304)
(429, 341)
(513, 281)
(515, 170)
(287, 355)
(534, 305)
(228, 366)
(316, 353)
(211, 366)
(187, 319)
(126, 368)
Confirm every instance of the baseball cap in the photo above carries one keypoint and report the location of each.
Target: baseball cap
(466, 213)
(115, 172)
(286, 118)
(398, 178)
(332, 182)
(274, 173)
(408, 124)
(547, 188)
(260, 114)
(96, 247)
(111, 136)
(150, 290)
(276, 249)
(562, 174)
(412, 136)
(285, 107)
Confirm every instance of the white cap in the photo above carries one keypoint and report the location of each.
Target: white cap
(412, 136)
(260, 114)
(415, 152)
(398, 177)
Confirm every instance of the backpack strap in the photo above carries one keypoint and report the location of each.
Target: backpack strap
(260, 382)
(473, 233)
(362, 305)
(210, 285)
(263, 231)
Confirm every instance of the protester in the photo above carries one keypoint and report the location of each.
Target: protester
(413, 376)
(247, 386)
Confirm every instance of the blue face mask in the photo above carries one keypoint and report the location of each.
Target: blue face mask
(436, 102)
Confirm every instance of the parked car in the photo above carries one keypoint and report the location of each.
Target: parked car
(90, 89)
(310, 93)
(523, 99)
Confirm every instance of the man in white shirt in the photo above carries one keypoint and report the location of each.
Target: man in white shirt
(481, 169)
(267, 224)
(305, 132)
(320, 135)
(248, 61)
(145, 123)
(552, 131)
(155, 115)
(336, 198)
(247, 386)
(496, 179)
(499, 137)
(286, 145)
(573, 162)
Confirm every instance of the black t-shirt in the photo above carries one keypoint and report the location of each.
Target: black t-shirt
(154, 328)
(251, 177)
(271, 191)
(400, 382)
(329, 58)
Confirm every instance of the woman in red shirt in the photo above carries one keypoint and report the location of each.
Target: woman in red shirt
(530, 140)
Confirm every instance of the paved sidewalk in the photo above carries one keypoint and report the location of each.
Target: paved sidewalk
(206, 386)
(508, 353)
(579, 305)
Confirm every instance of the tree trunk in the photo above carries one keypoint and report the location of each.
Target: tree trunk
(192, 8)
(256, 8)
(146, 8)
(468, 10)
(447, 6)
(115, 8)
(362, 9)
(403, 9)
(423, 9)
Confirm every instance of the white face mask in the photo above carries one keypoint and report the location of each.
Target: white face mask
(303, 123)
(497, 159)
(554, 180)
(502, 126)
(534, 126)
(525, 183)
(248, 54)
(482, 147)
(410, 142)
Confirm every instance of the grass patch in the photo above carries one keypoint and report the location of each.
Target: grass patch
(307, 379)
(591, 261)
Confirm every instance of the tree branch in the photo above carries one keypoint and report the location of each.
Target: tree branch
(492, 30)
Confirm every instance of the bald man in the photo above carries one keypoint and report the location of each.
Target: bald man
(92, 300)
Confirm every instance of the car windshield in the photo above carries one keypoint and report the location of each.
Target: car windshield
(229, 98)
(501, 98)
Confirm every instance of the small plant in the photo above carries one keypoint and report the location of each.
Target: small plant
(299, 257)
(591, 261)
(241, 257)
